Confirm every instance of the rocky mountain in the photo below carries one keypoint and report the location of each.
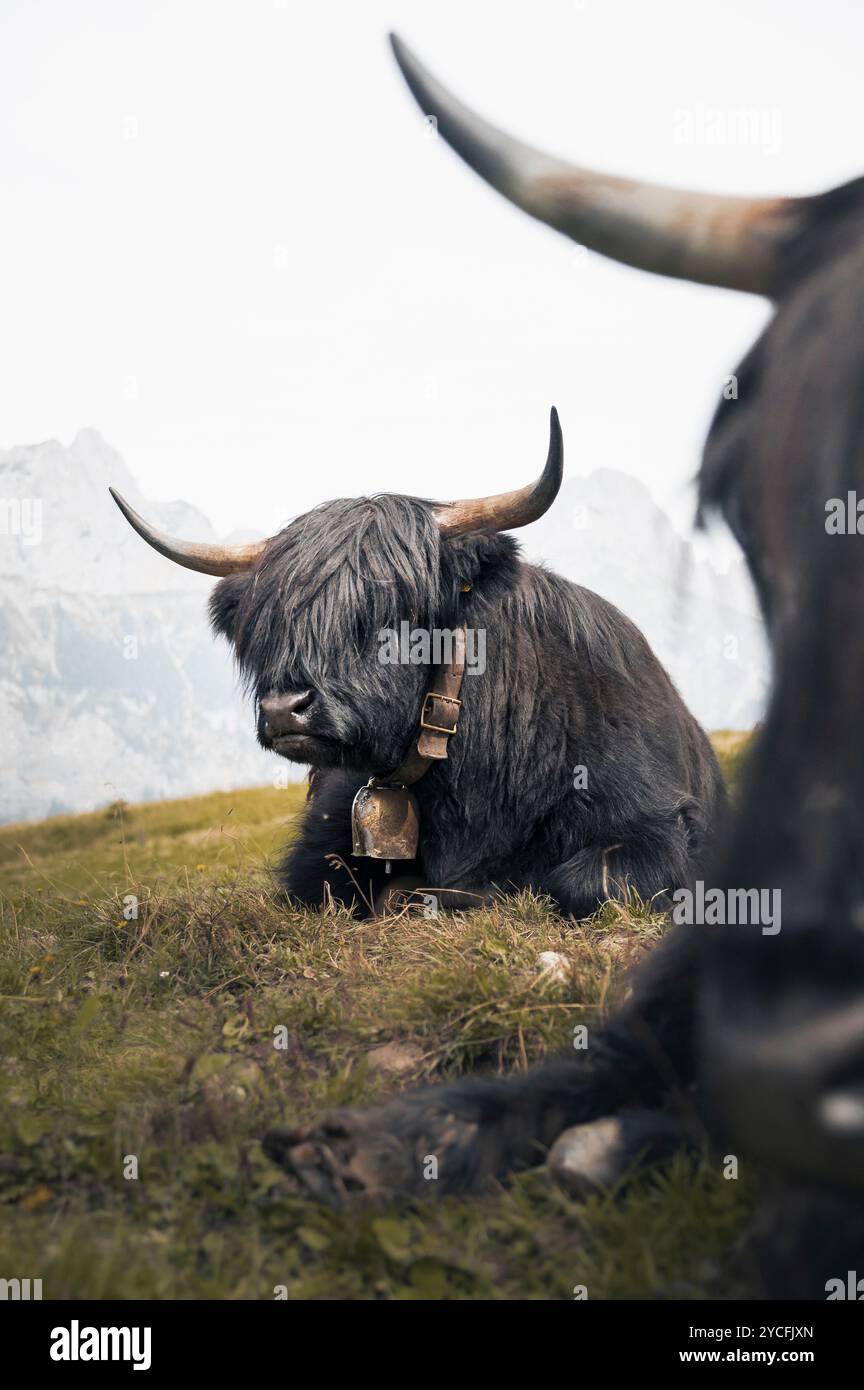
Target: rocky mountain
(112, 686)
(607, 533)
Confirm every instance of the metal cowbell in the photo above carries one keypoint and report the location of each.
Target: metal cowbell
(385, 823)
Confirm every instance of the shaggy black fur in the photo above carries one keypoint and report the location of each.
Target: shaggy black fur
(782, 1019)
(569, 682)
(765, 1033)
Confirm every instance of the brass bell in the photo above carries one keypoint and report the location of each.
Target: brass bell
(385, 823)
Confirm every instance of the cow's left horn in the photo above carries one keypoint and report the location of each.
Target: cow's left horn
(509, 509)
(194, 555)
(710, 238)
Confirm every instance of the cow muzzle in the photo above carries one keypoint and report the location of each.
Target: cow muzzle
(288, 715)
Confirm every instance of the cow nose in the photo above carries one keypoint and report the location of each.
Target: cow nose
(288, 713)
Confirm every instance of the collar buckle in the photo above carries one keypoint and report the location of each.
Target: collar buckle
(425, 721)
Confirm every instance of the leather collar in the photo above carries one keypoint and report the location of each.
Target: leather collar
(439, 719)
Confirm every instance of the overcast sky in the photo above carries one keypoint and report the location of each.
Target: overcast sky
(231, 245)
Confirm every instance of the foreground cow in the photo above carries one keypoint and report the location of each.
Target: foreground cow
(771, 1026)
(575, 769)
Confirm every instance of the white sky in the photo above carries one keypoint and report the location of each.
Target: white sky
(230, 244)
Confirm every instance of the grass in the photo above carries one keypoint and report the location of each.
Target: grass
(145, 971)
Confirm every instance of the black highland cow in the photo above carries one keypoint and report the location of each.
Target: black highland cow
(765, 1032)
(568, 683)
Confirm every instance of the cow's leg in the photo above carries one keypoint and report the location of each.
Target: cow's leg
(458, 1138)
(654, 860)
(319, 864)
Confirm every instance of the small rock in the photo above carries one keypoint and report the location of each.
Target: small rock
(624, 947)
(554, 965)
(234, 1084)
(395, 1058)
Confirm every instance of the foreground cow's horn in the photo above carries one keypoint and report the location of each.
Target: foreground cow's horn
(508, 509)
(209, 559)
(716, 240)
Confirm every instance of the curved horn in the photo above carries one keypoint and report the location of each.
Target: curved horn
(509, 509)
(208, 559)
(710, 238)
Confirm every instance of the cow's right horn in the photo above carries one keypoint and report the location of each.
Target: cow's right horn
(710, 238)
(508, 510)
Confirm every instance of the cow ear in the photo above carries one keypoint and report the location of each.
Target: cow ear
(481, 566)
(225, 602)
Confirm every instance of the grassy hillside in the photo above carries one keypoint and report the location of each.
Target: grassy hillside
(150, 1037)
